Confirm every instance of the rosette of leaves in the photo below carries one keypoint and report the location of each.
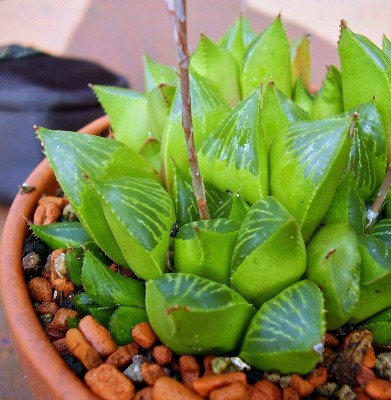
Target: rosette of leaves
(194, 315)
(260, 266)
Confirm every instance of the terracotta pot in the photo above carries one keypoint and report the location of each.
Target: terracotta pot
(47, 373)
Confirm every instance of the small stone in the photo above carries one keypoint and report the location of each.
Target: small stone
(69, 213)
(134, 369)
(45, 319)
(345, 393)
(327, 389)
(40, 289)
(31, 263)
(75, 365)
(383, 365)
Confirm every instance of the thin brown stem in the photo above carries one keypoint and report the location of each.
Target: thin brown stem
(178, 9)
(377, 205)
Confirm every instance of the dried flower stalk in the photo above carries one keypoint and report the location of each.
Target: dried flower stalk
(178, 9)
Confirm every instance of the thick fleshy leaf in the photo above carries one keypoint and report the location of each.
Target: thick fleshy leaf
(74, 157)
(185, 204)
(128, 114)
(306, 164)
(151, 152)
(193, 315)
(219, 65)
(140, 215)
(74, 265)
(260, 265)
(334, 265)
(386, 44)
(61, 235)
(159, 105)
(205, 248)
(156, 74)
(107, 288)
(302, 97)
(103, 314)
(382, 230)
(328, 100)
(347, 206)
(375, 278)
(233, 157)
(122, 322)
(208, 110)
(380, 326)
(83, 302)
(301, 60)
(367, 78)
(277, 112)
(237, 38)
(262, 62)
(232, 206)
(287, 333)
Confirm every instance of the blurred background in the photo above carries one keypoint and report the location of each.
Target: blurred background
(113, 35)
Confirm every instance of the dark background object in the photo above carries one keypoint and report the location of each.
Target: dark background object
(39, 89)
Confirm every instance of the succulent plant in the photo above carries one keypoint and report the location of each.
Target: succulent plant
(292, 245)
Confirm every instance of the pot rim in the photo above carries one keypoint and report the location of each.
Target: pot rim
(48, 374)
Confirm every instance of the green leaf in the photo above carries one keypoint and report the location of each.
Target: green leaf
(122, 322)
(375, 278)
(306, 166)
(347, 206)
(386, 43)
(73, 157)
(328, 100)
(186, 209)
(140, 214)
(260, 266)
(287, 332)
(74, 265)
(219, 65)
(108, 288)
(103, 314)
(262, 62)
(237, 38)
(301, 61)
(208, 110)
(380, 326)
(156, 74)
(193, 315)
(232, 206)
(159, 100)
(233, 157)
(61, 235)
(302, 97)
(205, 248)
(277, 112)
(151, 152)
(382, 230)
(367, 78)
(83, 302)
(334, 265)
(128, 114)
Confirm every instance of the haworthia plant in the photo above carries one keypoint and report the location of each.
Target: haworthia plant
(232, 206)
(301, 60)
(380, 326)
(194, 315)
(287, 332)
(260, 266)
(205, 248)
(233, 157)
(306, 164)
(302, 96)
(140, 215)
(262, 63)
(334, 265)
(128, 114)
(66, 153)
